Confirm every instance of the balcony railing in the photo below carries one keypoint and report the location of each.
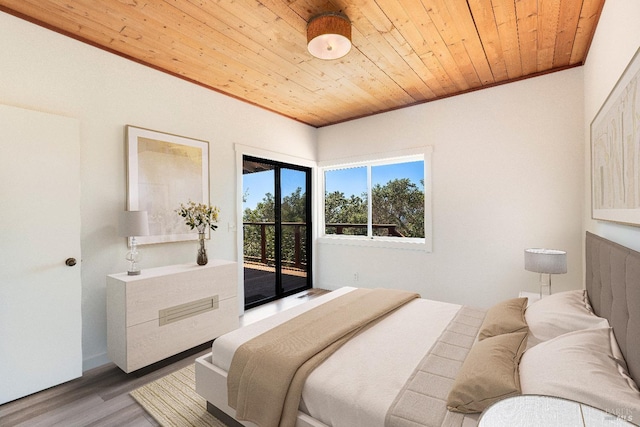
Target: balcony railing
(298, 261)
(392, 229)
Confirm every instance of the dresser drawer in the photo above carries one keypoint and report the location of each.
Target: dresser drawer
(146, 296)
(167, 310)
(149, 342)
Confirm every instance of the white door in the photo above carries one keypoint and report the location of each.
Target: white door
(40, 318)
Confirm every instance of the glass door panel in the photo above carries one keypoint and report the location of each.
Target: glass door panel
(293, 253)
(276, 230)
(258, 206)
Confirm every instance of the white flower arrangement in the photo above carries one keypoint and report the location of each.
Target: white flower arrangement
(199, 215)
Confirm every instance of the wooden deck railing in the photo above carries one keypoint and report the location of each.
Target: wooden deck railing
(297, 261)
(392, 229)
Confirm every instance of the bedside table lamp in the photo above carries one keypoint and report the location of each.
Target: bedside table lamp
(545, 261)
(132, 224)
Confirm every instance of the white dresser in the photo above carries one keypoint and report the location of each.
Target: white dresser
(167, 310)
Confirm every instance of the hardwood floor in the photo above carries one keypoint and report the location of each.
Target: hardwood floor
(101, 396)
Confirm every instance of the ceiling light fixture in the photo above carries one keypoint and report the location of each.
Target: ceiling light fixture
(329, 35)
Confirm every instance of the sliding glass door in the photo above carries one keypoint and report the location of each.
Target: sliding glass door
(276, 229)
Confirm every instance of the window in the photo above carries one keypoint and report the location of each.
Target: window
(379, 200)
(346, 201)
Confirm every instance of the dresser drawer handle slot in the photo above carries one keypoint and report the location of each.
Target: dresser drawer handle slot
(184, 311)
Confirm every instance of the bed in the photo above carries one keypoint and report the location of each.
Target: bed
(441, 369)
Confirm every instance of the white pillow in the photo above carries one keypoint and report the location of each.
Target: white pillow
(582, 366)
(560, 313)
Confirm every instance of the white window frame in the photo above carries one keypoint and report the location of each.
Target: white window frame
(401, 156)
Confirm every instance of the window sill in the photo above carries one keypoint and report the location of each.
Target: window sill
(387, 243)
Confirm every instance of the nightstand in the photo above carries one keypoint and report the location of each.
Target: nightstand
(535, 411)
(533, 296)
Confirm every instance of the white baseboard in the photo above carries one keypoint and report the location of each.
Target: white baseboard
(95, 361)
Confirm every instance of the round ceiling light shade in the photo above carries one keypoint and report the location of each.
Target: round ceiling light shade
(329, 35)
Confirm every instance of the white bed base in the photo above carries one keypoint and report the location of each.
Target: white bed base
(211, 383)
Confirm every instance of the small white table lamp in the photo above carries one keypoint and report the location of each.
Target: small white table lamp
(545, 261)
(132, 224)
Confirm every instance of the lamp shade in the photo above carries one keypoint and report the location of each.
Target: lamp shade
(329, 35)
(549, 261)
(133, 223)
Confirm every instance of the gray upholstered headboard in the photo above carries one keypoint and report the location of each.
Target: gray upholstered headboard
(613, 287)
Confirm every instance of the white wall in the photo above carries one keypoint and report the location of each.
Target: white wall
(511, 164)
(616, 40)
(42, 70)
(507, 175)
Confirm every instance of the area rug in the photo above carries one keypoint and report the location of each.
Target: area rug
(173, 402)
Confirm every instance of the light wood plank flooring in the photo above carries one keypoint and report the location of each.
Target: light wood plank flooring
(101, 396)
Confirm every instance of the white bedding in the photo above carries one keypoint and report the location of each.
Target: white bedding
(366, 373)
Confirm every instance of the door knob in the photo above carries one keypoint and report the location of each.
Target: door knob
(70, 262)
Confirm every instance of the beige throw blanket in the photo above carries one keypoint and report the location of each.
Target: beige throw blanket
(268, 372)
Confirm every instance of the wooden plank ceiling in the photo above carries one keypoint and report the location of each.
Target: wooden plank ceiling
(405, 52)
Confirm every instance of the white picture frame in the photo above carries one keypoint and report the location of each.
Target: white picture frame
(163, 171)
(615, 151)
